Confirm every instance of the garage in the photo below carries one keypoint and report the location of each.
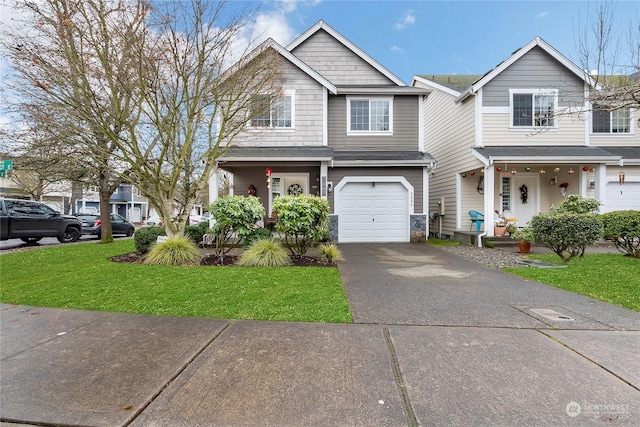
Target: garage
(622, 197)
(373, 211)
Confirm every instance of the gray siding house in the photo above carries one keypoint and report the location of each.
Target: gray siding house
(520, 138)
(349, 131)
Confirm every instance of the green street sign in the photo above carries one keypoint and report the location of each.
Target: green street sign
(6, 165)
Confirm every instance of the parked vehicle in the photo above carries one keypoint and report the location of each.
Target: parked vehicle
(91, 224)
(31, 221)
(152, 221)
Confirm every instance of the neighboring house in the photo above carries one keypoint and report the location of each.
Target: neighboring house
(345, 129)
(521, 137)
(126, 201)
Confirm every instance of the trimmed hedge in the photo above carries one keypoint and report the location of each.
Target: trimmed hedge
(566, 232)
(623, 228)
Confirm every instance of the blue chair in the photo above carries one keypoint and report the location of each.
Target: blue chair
(476, 217)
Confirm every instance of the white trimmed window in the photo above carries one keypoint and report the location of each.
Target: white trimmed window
(616, 121)
(273, 113)
(369, 115)
(532, 108)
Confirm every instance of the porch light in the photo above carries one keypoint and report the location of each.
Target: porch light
(570, 171)
(621, 177)
(542, 171)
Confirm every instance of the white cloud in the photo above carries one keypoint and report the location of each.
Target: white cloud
(396, 49)
(542, 14)
(407, 19)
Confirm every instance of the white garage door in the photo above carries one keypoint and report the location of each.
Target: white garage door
(373, 212)
(622, 197)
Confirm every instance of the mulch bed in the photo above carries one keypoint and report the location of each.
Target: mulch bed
(227, 261)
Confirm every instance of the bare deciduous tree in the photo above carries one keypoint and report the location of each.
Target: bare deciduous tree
(144, 89)
(611, 59)
(73, 63)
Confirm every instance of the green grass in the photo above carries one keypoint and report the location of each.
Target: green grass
(81, 277)
(439, 242)
(608, 277)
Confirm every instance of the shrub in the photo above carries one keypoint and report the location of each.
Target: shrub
(623, 227)
(195, 232)
(236, 218)
(265, 253)
(301, 219)
(566, 232)
(258, 233)
(146, 236)
(577, 205)
(179, 250)
(330, 253)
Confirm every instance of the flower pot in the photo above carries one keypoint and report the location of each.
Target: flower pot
(499, 231)
(525, 247)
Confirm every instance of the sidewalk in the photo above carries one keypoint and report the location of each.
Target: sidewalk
(452, 343)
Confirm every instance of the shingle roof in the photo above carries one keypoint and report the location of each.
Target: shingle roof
(557, 153)
(382, 155)
(288, 153)
(456, 82)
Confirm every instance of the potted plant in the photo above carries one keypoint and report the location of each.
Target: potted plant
(524, 236)
(500, 228)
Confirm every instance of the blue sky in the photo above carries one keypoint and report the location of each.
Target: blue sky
(440, 37)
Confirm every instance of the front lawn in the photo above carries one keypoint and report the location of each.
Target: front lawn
(614, 278)
(80, 276)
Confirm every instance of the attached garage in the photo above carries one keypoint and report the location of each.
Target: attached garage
(373, 209)
(622, 197)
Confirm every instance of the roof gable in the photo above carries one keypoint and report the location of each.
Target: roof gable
(272, 44)
(537, 42)
(325, 35)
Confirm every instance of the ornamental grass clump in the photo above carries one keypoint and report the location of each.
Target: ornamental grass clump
(329, 253)
(265, 253)
(179, 250)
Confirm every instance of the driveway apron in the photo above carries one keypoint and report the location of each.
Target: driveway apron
(419, 284)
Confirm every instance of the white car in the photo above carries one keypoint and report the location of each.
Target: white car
(152, 221)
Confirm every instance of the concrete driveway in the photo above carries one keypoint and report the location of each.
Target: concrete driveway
(438, 340)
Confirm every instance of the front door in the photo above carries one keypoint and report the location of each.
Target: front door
(525, 196)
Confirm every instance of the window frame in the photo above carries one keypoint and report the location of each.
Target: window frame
(534, 93)
(273, 116)
(370, 99)
(611, 121)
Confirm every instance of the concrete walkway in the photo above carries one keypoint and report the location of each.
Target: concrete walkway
(438, 340)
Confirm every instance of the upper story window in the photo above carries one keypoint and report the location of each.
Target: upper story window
(274, 113)
(369, 115)
(616, 121)
(533, 108)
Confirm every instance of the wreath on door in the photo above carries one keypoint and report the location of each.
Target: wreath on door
(294, 190)
(524, 193)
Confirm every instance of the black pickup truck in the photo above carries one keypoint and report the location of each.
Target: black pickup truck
(31, 221)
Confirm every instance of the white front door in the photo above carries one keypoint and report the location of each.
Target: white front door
(284, 184)
(524, 208)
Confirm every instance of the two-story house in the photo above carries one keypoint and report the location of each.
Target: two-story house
(521, 137)
(346, 129)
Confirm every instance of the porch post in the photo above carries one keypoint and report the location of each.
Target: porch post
(324, 171)
(601, 181)
(489, 198)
